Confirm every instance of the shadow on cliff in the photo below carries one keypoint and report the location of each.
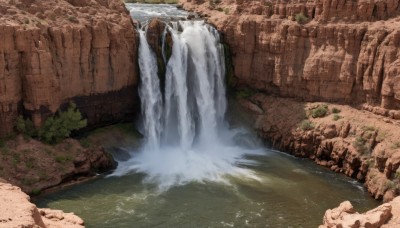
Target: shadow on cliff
(275, 118)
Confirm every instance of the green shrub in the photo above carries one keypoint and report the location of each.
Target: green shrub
(25, 127)
(35, 192)
(73, 19)
(244, 93)
(306, 125)
(360, 144)
(394, 145)
(390, 185)
(30, 162)
(55, 128)
(85, 143)
(382, 135)
(214, 2)
(227, 11)
(320, 111)
(336, 110)
(60, 126)
(301, 18)
(336, 117)
(371, 163)
(369, 128)
(16, 158)
(60, 159)
(397, 174)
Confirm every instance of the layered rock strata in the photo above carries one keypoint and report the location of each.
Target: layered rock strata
(35, 166)
(354, 142)
(347, 52)
(54, 51)
(321, 50)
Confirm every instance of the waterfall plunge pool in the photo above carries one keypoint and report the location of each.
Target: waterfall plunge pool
(194, 169)
(289, 192)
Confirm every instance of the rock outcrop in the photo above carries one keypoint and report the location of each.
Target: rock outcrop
(17, 211)
(386, 215)
(321, 50)
(35, 166)
(347, 52)
(354, 142)
(54, 51)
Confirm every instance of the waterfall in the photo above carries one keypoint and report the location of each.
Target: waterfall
(150, 93)
(186, 136)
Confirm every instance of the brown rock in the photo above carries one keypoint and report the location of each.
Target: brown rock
(385, 215)
(17, 211)
(69, 55)
(40, 166)
(352, 59)
(347, 146)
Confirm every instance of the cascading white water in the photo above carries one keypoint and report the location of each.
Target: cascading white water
(187, 138)
(150, 90)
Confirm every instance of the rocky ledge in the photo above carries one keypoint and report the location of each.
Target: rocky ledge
(385, 216)
(338, 52)
(346, 140)
(35, 166)
(17, 211)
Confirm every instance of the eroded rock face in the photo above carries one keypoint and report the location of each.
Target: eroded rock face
(323, 50)
(357, 143)
(347, 52)
(35, 166)
(17, 211)
(53, 51)
(386, 215)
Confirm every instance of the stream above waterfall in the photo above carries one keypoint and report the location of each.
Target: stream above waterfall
(198, 164)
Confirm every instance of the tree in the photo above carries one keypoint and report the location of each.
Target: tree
(55, 128)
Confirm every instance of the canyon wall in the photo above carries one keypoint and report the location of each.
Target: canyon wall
(55, 51)
(332, 51)
(340, 51)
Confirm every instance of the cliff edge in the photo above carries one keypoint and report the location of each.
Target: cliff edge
(288, 56)
(17, 211)
(320, 50)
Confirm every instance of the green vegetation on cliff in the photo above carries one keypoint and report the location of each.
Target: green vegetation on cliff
(320, 111)
(55, 128)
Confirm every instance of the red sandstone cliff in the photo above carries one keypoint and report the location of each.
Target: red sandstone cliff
(347, 51)
(52, 51)
(344, 51)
